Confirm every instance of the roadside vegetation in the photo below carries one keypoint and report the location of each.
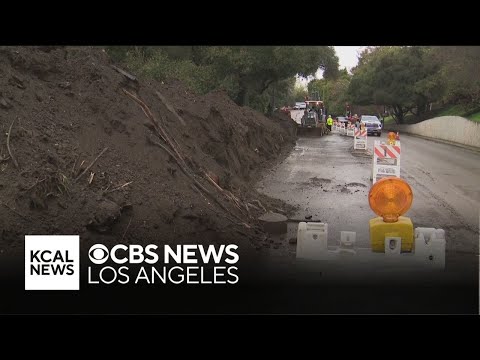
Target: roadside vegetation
(402, 84)
(262, 77)
(414, 83)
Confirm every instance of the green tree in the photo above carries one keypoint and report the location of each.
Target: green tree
(256, 68)
(401, 78)
(333, 92)
(459, 73)
(245, 72)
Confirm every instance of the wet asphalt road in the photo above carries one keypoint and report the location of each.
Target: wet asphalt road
(324, 179)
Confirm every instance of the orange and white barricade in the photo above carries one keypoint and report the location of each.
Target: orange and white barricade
(386, 160)
(351, 130)
(360, 140)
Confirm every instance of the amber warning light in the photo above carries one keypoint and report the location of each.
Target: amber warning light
(390, 198)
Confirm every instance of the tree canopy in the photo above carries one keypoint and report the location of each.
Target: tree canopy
(332, 91)
(408, 79)
(245, 72)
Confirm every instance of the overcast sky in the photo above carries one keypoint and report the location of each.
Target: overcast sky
(347, 57)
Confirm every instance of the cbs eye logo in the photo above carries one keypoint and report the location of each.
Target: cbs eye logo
(98, 254)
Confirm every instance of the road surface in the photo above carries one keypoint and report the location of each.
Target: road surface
(325, 180)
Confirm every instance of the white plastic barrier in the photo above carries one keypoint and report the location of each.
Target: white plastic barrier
(312, 240)
(347, 242)
(351, 130)
(430, 246)
(360, 140)
(429, 249)
(386, 160)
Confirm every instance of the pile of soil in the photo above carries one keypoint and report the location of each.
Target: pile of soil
(69, 105)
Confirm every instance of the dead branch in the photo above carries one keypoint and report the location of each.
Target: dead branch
(124, 73)
(167, 150)
(216, 213)
(170, 107)
(92, 174)
(162, 133)
(159, 129)
(198, 191)
(74, 164)
(226, 193)
(233, 197)
(248, 210)
(118, 187)
(189, 174)
(197, 184)
(260, 204)
(4, 158)
(129, 221)
(213, 182)
(91, 164)
(36, 183)
(8, 146)
(255, 207)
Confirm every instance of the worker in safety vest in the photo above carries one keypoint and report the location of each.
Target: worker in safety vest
(329, 122)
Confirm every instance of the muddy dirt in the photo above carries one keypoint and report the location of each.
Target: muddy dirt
(69, 106)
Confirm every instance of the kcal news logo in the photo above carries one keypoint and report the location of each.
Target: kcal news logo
(52, 262)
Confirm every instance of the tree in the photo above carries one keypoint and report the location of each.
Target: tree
(256, 68)
(245, 72)
(333, 92)
(458, 73)
(299, 93)
(401, 78)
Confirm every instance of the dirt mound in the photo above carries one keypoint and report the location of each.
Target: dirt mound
(149, 182)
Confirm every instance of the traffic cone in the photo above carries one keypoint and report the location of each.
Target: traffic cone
(398, 136)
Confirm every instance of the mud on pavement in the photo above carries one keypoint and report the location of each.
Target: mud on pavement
(101, 154)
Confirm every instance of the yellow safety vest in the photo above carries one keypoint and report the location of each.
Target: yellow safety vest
(329, 121)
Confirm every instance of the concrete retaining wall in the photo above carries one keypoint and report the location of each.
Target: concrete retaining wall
(449, 128)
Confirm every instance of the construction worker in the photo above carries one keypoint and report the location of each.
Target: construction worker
(329, 123)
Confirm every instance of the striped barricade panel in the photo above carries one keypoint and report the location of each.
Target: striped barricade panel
(386, 160)
(351, 130)
(360, 140)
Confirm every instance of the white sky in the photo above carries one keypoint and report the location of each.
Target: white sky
(347, 57)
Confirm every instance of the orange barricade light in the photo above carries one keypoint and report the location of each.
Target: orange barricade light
(390, 198)
(391, 138)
